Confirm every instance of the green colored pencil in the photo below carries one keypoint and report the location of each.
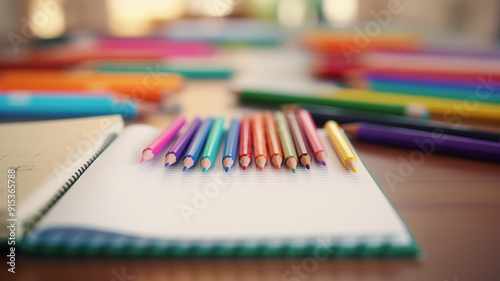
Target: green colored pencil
(275, 98)
(286, 139)
(212, 145)
(190, 72)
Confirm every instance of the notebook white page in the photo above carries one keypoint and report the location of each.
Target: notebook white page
(118, 194)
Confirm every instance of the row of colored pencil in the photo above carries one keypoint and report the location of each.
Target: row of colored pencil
(288, 137)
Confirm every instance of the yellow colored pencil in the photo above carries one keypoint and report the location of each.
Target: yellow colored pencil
(449, 109)
(341, 145)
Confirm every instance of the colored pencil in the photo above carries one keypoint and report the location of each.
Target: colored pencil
(321, 114)
(60, 93)
(181, 143)
(289, 154)
(212, 146)
(437, 64)
(259, 140)
(307, 123)
(245, 155)
(168, 48)
(188, 71)
(335, 42)
(64, 106)
(424, 89)
(298, 139)
(274, 98)
(273, 141)
(194, 149)
(150, 152)
(425, 142)
(150, 87)
(476, 106)
(341, 145)
(231, 145)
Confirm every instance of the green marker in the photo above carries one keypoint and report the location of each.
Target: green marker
(212, 144)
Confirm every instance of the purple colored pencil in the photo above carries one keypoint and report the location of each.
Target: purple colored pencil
(425, 142)
(180, 144)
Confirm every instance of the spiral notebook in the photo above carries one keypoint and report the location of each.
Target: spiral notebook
(48, 156)
(122, 207)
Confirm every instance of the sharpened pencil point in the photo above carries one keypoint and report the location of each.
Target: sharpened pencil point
(244, 168)
(293, 170)
(324, 163)
(354, 170)
(261, 168)
(185, 168)
(204, 169)
(308, 166)
(142, 160)
(227, 169)
(166, 164)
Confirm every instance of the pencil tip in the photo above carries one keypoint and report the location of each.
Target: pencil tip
(227, 169)
(185, 168)
(308, 166)
(244, 168)
(279, 167)
(324, 163)
(204, 169)
(354, 170)
(142, 160)
(261, 168)
(166, 164)
(293, 170)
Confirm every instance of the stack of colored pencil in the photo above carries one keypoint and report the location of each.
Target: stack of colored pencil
(283, 137)
(59, 81)
(451, 84)
(66, 94)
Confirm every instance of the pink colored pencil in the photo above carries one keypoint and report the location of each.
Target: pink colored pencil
(166, 47)
(307, 123)
(150, 152)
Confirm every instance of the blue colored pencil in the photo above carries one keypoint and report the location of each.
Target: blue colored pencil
(231, 145)
(63, 106)
(196, 145)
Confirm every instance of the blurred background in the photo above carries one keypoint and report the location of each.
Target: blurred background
(419, 49)
(475, 21)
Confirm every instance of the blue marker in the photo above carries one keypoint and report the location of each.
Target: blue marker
(194, 149)
(231, 145)
(63, 106)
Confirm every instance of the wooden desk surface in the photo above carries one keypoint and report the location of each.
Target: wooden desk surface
(451, 205)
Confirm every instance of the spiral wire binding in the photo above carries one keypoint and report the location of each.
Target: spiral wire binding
(29, 225)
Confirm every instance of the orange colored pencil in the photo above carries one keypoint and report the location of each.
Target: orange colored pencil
(259, 140)
(273, 140)
(147, 87)
(245, 142)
